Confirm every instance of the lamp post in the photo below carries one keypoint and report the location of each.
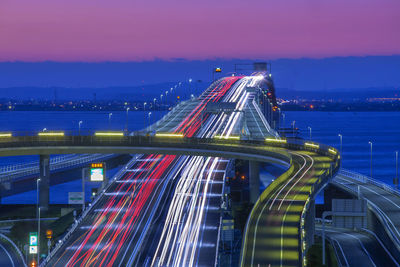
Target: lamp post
(144, 115)
(126, 124)
(38, 215)
(397, 169)
(293, 124)
(283, 117)
(279, 123)
(371, 159)
(38, 238)
(166, 97)
(341, 144)
(309, 128)
(37, 196)
(149, 121)
(109, 120)
(154, 103)
(190, 85)
(79, 126)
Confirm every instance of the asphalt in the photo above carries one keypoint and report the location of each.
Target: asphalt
(386, 201)
(273, 234)
(123, 244)
(8, 255)
(354, 248)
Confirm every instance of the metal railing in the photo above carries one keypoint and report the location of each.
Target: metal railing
(322, 180)
(394, 233)
(60, 162)
(365, 179)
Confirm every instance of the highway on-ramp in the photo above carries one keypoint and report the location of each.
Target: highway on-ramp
(273, 232)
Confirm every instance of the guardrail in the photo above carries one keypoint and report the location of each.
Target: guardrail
(365, 179)
(297, 144)
(17, 167)
(56, 165)
(394, 234)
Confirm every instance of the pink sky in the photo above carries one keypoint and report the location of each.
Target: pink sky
(131, 30)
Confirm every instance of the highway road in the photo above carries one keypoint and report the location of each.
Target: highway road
(386, 201)
(358, 248)
(272, 236)
(8, 255)
(190, 231)
(115, 234)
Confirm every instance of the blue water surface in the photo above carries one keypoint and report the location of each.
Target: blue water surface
(357, 129)
(67, 121)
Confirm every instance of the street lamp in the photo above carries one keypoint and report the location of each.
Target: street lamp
(79, 126)
(161, 96)
(190, 87)
(38, 213)
(149, 121)
(293, 124)
(144, 114)
(371, 158)
(341, 143)
(127, 113)
(154, 103)
(44, 129)
(37, 195)
(283, 117)
(38, 238)
(397, 169)
(166, 99)
(309, 128)
(109, 120)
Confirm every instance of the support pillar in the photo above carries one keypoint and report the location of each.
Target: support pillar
(254, 180)
(44, 184)
(310, 223)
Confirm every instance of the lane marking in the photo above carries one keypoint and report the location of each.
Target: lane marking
(8, 254)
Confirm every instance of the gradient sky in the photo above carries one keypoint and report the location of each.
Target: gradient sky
(136, 30)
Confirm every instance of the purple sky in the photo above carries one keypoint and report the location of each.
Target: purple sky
(131, 30)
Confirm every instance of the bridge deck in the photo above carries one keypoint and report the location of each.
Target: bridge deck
(382, 199)
(273, 235)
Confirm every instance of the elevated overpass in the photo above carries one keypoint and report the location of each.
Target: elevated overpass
(285, 202)
(231, 119)
(383, 204)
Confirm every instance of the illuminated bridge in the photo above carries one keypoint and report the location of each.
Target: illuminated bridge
(311, 166)
(163, 208)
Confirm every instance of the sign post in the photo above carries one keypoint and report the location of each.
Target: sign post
(98, 172)
(49, 235)
(75, 198)
(33, 243)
